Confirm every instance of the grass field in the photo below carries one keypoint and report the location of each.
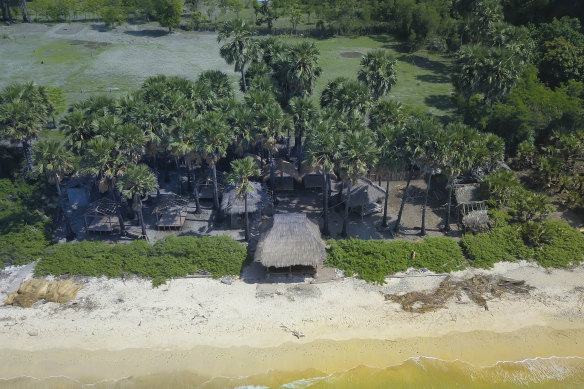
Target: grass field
(84, 60)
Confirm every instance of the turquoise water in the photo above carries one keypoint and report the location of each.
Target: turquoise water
(427, 373)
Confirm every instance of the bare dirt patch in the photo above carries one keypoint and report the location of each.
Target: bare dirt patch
(70, 29)
(351, 54)
(89, 44)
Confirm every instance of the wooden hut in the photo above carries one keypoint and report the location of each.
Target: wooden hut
(312, 176)
(285, 175)
(101, 216)
(365, 196)
(291, 243)
(235, 207)
(471, 212)
(171, 212)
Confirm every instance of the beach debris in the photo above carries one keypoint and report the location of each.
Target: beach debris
(297, 334)
(226, 281)
(479, 289)
(33, 333)
(34, 290)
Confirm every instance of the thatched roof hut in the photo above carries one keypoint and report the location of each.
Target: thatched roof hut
(256, 200)
(171, 212)
(312, 176)
(365, 192)
(292, 240)
(285, 172)
(466, 193)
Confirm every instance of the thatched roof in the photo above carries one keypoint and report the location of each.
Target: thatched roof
(466, 193)
(282, 168)
(365, 192)
(291, 240)
(476, 221)
(307, 168)
(258, 199)
(172, 203)
(102, 207)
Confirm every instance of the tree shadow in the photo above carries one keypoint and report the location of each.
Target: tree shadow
(99, 27)
(434, 78)
(425, 63)
(442, 102)
(147, 33)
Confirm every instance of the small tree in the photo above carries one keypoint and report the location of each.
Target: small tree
(168, 13)
(136, 183)
(242, 171)
(54, 160)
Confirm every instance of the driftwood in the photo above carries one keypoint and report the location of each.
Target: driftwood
(479, 289)
(297, 334)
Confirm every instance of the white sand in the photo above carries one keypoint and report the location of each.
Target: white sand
(184, 313)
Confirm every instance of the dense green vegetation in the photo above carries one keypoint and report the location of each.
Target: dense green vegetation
(167, 258)
(25, 228)
(373, 260)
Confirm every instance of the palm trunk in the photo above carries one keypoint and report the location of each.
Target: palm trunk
(344, 233)
(178, 175)
(403, 202)
(423, 229)
(196, 192)
(27, 155)
(246, 216)
(243, 83)
(447, 222)
(298, 145)
(272, 172)
(157, 174)
(384, 221)
(288, 145)
(138, 203)
(325, 229)
(25, 18)
(69, 234)
(215, 190)
(119, 213)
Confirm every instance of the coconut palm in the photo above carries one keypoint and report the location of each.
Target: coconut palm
(378, 72)
(304, 113)
(24, 111)
(137, 182)
(240, 49)
(241, 172)
(54, 160)
(357, 153)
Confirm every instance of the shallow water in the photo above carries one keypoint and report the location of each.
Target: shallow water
(421, 372)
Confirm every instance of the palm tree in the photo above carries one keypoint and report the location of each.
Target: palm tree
(240, 49)
(322, 142)
(378, 72)
(241, 171)
(304, 113)
(214, 136)
(24, 111)
(137, 182)
(347, 96)
(357, 152)
(54, 160)
(273, 121)
(298, 69)
(215, 85)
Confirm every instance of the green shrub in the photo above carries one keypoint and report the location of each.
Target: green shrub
(565, 245)
(502, 243)
(168, 258)
(373, 260)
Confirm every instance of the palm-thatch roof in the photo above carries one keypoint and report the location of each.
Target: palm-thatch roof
(292, 240)
(466, 193)
(101, 216)
(256, 200)
(365, 192)
(283, 168)
(306, 168)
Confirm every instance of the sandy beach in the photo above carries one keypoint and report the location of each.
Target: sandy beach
(127, 328)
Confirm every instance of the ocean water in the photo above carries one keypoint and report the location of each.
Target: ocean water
(419, 372)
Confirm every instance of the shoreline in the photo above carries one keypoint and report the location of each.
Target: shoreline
(481, 349)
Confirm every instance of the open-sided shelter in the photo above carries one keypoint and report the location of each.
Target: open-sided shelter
(235, 207)
(312, 176)
(471, 211)
(285, 175)
(171, 212)
(101, 216)
(292, 242)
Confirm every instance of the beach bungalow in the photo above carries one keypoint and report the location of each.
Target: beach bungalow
(171, 212)
(471, 211)
(291, 244)
(365, 196)
(235, 207)
(312, 177)
(286, 174)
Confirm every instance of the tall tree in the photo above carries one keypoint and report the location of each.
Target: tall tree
(347, 96)
(297, 69)
(304, 113)
(378, 72)
(137, 182)
(24, 111)
(241, 172)
(54, 160)
(168, 13)
(240, 48)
